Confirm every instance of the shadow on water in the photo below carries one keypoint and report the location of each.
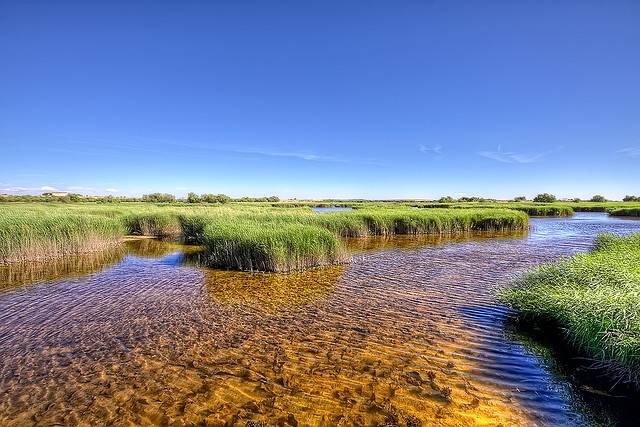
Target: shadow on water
(587, 386)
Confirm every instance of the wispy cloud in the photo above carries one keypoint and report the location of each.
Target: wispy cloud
(630, 152)
(111, 190)
(435, 150)
(515, 157)
(294, 154)
(48, 188)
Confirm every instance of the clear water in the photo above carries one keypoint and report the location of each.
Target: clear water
(409, 332)
(332, 209)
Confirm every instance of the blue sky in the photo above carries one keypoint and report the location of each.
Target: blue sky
(373, 99)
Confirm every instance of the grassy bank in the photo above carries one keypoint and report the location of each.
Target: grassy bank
(594, 298)
(531, 209)
(632, 212)
(239, 237)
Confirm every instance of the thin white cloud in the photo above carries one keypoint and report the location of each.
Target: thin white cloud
(514, 157)
(48, 188)
(111, 190)
(297, 155)
(435, 150)
(630, 152)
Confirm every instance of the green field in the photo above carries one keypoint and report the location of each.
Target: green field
(593, 299)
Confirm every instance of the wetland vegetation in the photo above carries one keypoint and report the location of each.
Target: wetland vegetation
(240, 237)
(593, 299)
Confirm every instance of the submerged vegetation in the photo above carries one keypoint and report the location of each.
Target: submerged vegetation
(241, 237)
(594, 298)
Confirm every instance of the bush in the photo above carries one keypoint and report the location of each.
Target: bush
(193, 198)
(545, 198)
(598, 198)
(159, 198)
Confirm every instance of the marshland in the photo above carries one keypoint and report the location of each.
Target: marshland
(402, 312)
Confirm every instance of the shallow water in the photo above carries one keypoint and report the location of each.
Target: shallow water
(409, 332)
(332, 209)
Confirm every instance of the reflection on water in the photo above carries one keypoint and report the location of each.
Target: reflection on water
(58, 268)
(332, 209)
(376, 243)
(409, 334)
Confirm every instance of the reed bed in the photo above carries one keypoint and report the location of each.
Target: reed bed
(239, 237)
(594, 299)
(155, 224)
(29, 236)
(270, 247)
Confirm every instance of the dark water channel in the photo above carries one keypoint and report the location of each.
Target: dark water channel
(410, 332)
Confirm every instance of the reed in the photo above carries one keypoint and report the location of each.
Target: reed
(29, 236)
(210, 225)
(270, 247)
(152, 223)
(594, 299)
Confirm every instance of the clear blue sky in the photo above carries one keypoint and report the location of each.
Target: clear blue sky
(375, 99)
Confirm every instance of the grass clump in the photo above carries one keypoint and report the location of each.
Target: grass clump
(152, 223)
(32, 236)
(270, 247)
(595, 298)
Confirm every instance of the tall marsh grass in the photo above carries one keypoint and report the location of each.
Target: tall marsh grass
(594, 298)
(29, 236)
(239, 237)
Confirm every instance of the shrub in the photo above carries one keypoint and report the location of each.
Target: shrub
(545, 198)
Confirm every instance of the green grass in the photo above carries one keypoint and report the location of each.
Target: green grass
(29, 236)
(284, 239)
(531, 209)
(594, 298)
(152, 223)
(270, 247)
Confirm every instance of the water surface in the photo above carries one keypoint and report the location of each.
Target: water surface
(409, 333)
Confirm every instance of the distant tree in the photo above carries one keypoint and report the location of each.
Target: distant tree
(598, 198)
(520, 199)
(446, 199)
(215, 198)
(159, 198)
(576, 200)
(631, 199)
(545, 198)
(193, 198)
(273, 199)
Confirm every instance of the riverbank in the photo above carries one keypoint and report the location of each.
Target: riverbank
(594, 299)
